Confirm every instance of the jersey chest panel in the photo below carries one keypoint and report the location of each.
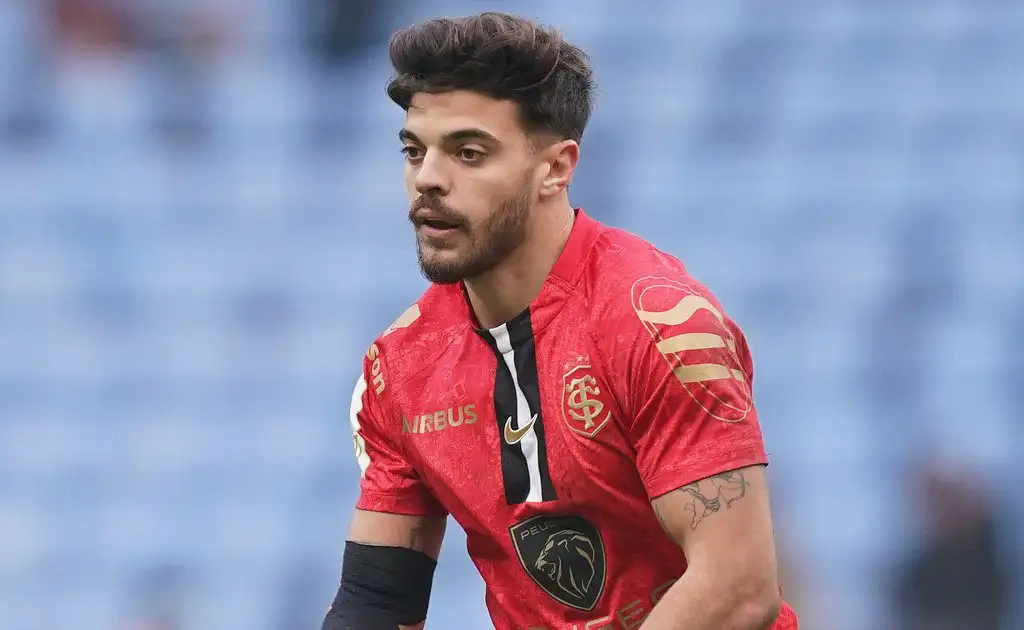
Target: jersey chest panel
(597, 520)
(469, 446)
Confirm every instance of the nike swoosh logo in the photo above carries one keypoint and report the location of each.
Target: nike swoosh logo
(514, 436)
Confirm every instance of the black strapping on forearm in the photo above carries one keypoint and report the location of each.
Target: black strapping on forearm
(381, 588)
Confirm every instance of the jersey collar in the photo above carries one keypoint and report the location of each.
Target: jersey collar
(561, 280)
(569, 266)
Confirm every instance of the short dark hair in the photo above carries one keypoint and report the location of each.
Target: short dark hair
(502, 56)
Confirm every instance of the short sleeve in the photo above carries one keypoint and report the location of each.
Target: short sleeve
(388, 482)
(690, 388)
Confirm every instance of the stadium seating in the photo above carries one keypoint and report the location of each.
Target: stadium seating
(179, 332)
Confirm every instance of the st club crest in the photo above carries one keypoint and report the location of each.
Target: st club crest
(582, 408)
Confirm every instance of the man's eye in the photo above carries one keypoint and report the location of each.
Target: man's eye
(412, 153)
(470, 155)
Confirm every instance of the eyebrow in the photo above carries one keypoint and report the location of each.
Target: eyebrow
(453, 136)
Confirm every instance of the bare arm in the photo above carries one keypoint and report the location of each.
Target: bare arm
(419, 533)
(723, 524)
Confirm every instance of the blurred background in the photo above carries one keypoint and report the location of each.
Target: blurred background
(202, 227)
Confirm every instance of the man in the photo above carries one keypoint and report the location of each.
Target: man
(569, 394)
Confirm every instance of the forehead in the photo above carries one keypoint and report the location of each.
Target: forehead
(436, 114)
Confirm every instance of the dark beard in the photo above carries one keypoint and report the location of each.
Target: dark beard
(499, 236)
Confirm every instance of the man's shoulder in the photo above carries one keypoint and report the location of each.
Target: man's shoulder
(421, 332)
(637, 293)
(628, 271)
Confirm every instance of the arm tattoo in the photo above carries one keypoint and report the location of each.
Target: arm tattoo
(707, 496)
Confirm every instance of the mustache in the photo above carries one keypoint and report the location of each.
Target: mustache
(436, 209)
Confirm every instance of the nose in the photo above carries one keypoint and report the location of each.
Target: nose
(431, 176)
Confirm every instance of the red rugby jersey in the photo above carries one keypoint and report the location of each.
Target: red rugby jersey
(547, 437)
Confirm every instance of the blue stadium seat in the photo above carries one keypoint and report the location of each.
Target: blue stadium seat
(179, 333)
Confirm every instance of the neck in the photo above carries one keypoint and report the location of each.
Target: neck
(506, 290)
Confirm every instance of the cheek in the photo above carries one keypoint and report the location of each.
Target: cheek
(502, 186)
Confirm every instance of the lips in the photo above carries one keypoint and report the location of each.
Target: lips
(436, 223)
(430, 218)
(434, 219)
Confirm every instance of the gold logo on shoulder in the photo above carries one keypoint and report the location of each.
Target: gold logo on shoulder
(410, 315)
(696, 340)
(582, 408)
(373, 355)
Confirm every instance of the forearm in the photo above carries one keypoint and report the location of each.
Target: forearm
(382, 588)
(699, 602)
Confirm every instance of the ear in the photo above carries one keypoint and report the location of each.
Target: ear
(560, 160)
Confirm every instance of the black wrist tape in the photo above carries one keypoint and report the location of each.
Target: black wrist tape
(381, 588)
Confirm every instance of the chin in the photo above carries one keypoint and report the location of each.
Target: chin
(441, 267)
(441, 276)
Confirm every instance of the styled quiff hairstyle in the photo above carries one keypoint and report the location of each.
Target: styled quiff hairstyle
(502, 56)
